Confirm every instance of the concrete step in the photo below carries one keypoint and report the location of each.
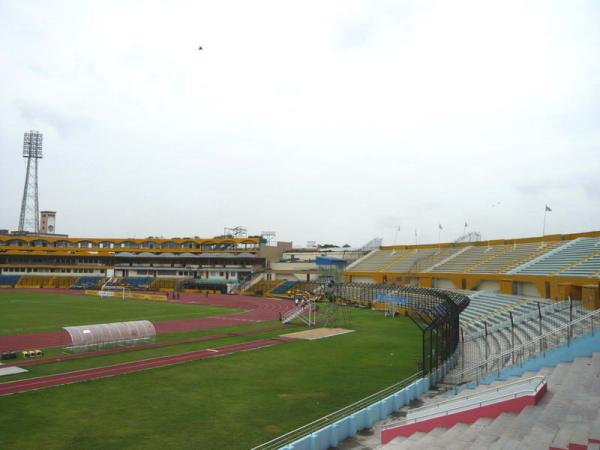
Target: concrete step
(472, 432)
(497, 427)
(579, 434)
(562, 438)
(430, 439)
(594, 432)
(452, 433)
(524, 421)
(405, 443)
(399, 443)
(512, 435)
(584, 408)
(553, 413)
(540, 436)
(558, 375)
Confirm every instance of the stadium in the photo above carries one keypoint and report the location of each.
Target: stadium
(491, 338)
(343, 225)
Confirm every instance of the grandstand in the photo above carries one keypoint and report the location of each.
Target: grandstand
(577, 257)
(565, 417)
(553, 267)
(143, 264)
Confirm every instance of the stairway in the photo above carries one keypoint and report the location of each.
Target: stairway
(567, 417)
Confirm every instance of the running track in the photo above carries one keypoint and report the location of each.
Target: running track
(257, 309)
(13, 387)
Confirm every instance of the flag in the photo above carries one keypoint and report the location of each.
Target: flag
(440, 226)
(548, 209)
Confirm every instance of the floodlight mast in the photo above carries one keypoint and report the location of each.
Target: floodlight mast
(29, 219)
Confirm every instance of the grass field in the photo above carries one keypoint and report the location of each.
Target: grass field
(136, 355)
(27, 312)
(232, 402)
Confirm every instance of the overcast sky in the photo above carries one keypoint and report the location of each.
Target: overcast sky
(334, 121)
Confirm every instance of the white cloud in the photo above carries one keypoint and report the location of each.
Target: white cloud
(318, 120)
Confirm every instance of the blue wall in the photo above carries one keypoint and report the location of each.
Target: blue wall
(347, 427)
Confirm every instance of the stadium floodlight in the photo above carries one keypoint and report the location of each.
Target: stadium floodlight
(29, 219)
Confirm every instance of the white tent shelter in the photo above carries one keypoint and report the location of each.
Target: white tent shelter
(93, 337)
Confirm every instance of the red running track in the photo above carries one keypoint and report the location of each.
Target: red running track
(13, 387)
(257, 309)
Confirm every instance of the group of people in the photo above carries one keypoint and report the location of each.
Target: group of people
(300, 301)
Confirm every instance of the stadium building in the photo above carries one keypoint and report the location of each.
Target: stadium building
(152, 263)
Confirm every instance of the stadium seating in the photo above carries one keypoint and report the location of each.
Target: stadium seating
(578, 257)
(64, 282)
(377, 259)
(160, 284)
(263, 287)
(408, 258)
(9, 280)
(513, 256)
(137, 282)
(460, 259)
(35, 281)
(439, 256)
(495, 310)
(284, 287)
(464, 260)
(89, 282)
(588, 268)
(567, 416)
(568, 256)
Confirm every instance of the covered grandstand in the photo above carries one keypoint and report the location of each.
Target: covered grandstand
(554, 267)
(30, 261)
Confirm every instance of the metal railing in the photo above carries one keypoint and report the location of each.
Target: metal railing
(539, 381)
(297, 311)
(548, 340)
(544, 311)
(329, 419)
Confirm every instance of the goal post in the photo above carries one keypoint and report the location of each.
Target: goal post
(114, 292)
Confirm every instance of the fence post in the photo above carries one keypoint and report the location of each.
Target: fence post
(512, 332)
(569, 331)
(462, 335)
(486, 346)
(540, 323)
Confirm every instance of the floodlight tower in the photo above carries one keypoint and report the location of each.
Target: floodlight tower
(29, 219)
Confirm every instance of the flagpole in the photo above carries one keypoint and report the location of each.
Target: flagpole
(544, 227)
